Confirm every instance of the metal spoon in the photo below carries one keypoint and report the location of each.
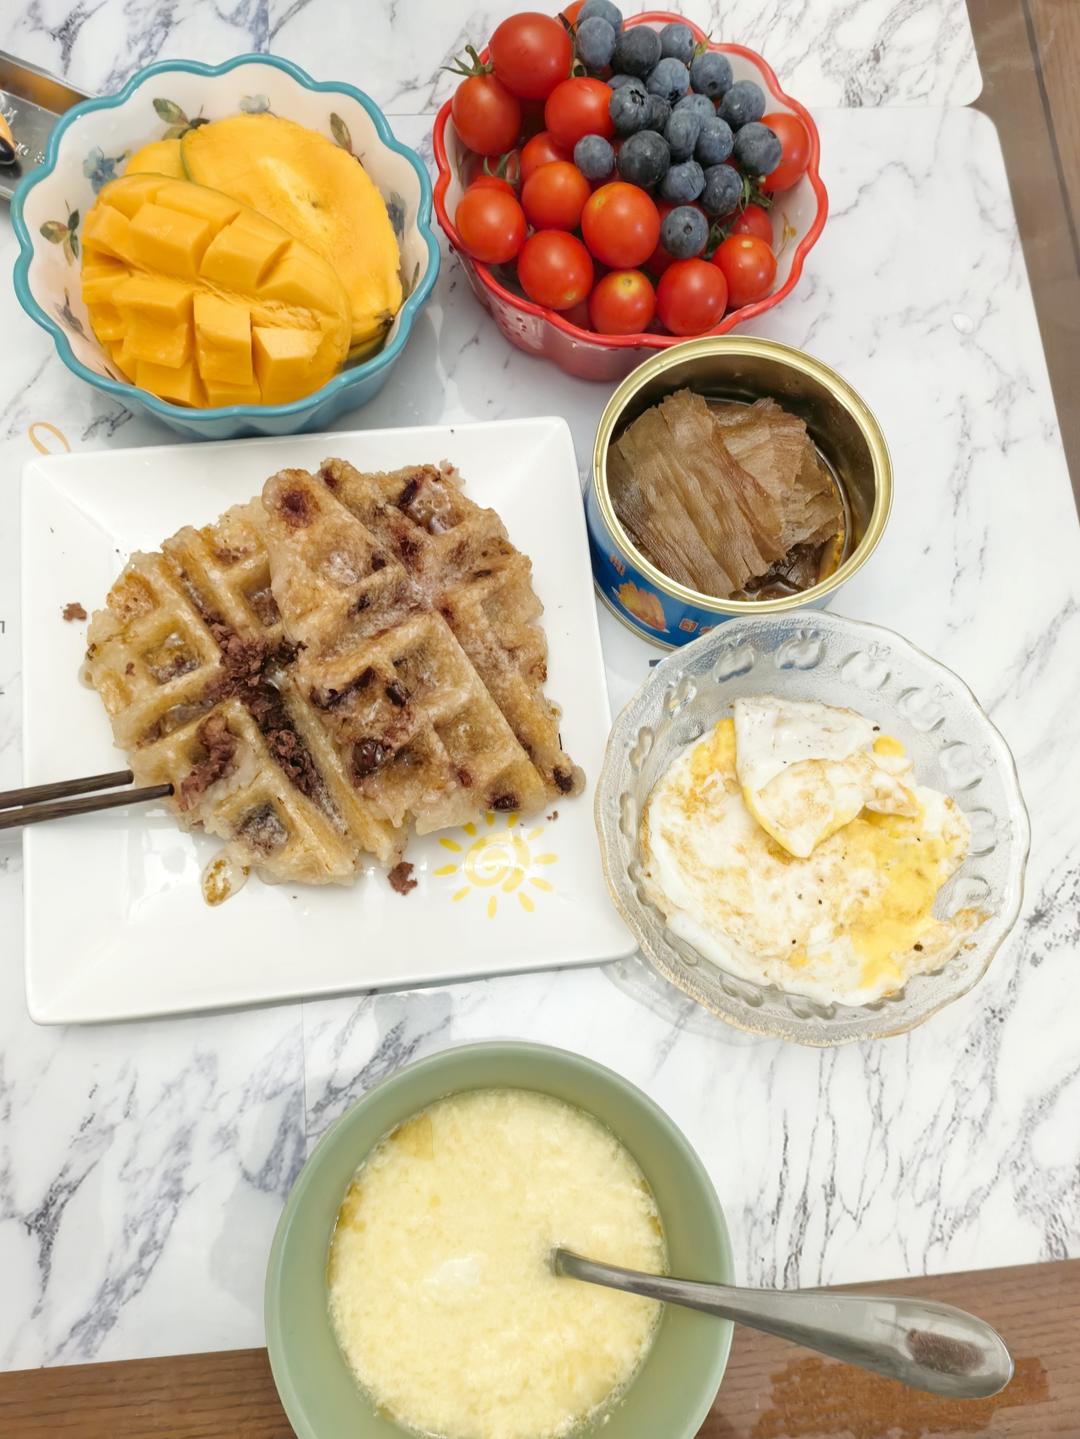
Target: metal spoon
(925, 1345)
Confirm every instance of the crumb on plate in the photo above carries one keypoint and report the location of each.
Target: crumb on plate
(400, 877)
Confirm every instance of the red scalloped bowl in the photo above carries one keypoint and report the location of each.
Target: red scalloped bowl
(798, 219)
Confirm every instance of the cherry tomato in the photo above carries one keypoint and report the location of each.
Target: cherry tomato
(555, 269)
(540, 150)
(531, 53)
(491, 224)
(753, 221)
(573, 11)
(623, 303)
(794, 148)
(621, 225)
(691, 297)
(579, 314)
(553, 196)
(576, 108)
(486, 115)
(749, 267)
(492, 182)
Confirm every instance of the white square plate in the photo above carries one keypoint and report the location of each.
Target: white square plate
(116, 926)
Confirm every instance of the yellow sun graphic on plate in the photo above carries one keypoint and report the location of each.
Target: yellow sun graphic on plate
(497, 861)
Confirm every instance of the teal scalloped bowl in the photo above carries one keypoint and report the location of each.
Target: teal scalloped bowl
(89, 147)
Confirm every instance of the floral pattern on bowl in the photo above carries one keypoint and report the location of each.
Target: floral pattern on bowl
(90, 146)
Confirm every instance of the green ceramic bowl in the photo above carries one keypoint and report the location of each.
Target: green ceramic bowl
(678, 1382)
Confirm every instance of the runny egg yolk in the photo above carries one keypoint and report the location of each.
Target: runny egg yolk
(891, 922)
(903, 850)
(887, 746)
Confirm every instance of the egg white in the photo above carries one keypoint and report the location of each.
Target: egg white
(848, 923)
(807, 769)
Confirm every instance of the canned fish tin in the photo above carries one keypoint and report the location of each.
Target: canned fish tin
(848, 440)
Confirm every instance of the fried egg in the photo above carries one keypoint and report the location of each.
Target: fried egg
(808, 769)
(849, 922)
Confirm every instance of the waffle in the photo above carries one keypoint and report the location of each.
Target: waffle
(344, 660)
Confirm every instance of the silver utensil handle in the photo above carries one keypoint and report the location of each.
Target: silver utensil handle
(923, 1344)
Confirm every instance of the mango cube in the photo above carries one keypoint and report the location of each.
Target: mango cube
(181, 385)
(205, 302)
(100, 278)
(107, 232)
(168, 240)
(282, 360)
(161, 346)
(302, 279)
(240, 255)
(155, 298)
(220, 393)
(223, 339)
(128, 195)
(108, 323)
(155, 312)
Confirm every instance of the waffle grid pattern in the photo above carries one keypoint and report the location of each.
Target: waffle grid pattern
(344, 659)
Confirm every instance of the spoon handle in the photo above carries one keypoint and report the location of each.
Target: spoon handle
(923, 1344)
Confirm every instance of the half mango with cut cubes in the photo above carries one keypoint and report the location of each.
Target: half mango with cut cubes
(316, 190)
(205, 302)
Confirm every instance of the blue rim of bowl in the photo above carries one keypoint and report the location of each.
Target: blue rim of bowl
(275, 1343)
(123, 392)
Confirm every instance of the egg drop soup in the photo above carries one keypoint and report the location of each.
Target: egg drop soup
(442, 1295)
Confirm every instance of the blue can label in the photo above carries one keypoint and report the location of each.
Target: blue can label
(651, 611)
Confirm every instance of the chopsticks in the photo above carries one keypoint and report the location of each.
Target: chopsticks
(38, 802)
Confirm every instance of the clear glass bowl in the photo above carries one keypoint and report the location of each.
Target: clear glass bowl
(824, 657)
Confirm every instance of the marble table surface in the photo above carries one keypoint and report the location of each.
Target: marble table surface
(826, 52)
(143, 1167)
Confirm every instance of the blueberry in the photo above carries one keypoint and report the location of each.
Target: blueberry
(602, 10)
(723, 190)
(757, 149)
(594, 157)
(659, 113)
(745, 101)
(644, 158)
(595, 42)
(681, 133)
(618, 81)
(683, 182)
(677, 40)
(684, 232)
(699, 104)
(714, 142)
(710, 74)
(637, 51)
(629, 108)
(670, 78)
